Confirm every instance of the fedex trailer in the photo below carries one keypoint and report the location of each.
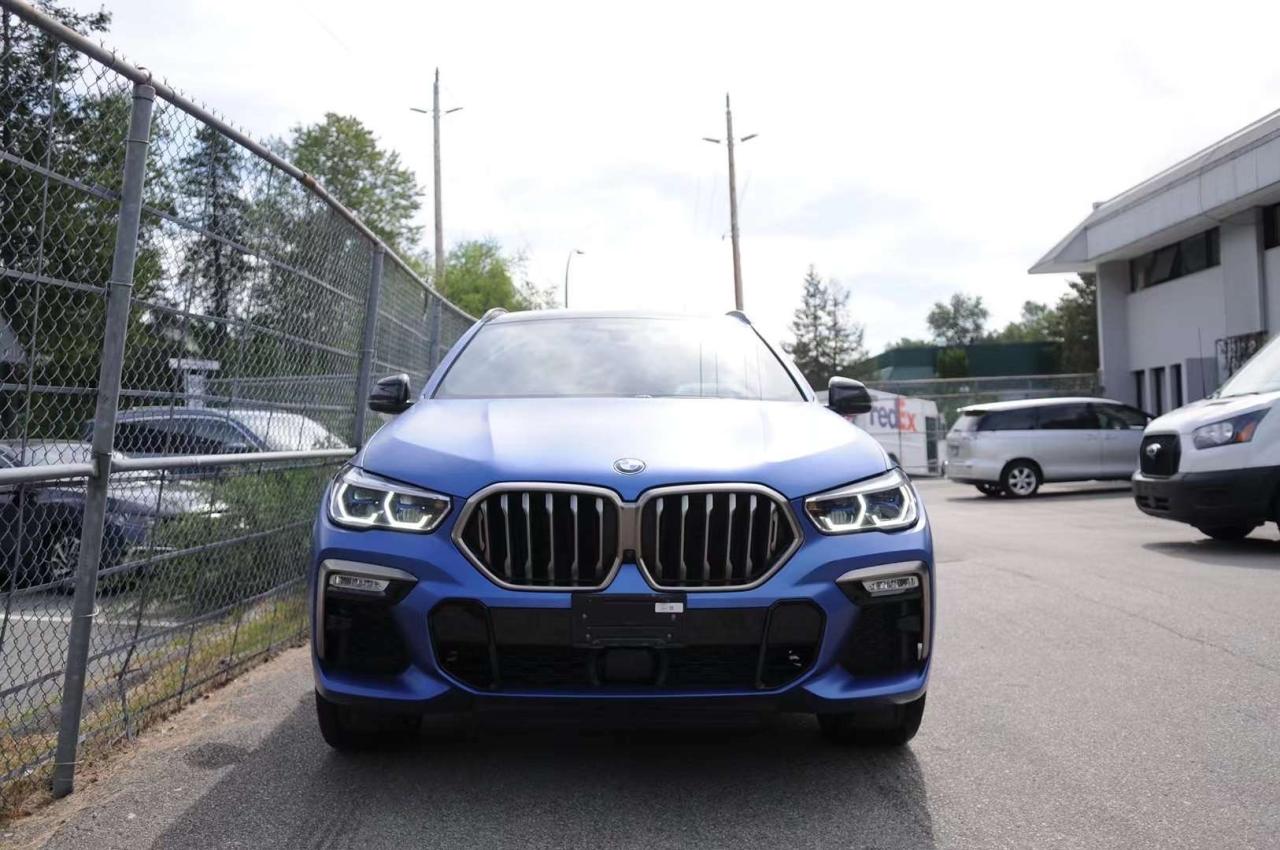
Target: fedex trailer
(908, 428)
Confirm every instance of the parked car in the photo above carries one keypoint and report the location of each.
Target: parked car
(160, 430)
(1012, 447)
(613, 509)
(40, 523)
(1215, 463)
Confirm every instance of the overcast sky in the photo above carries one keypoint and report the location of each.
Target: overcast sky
(908, 150)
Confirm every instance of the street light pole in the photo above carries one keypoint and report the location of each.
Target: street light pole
(566, 276)
(733, 199)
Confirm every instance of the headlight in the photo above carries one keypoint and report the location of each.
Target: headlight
(361, 500)
(1238, 429)
(883, 503)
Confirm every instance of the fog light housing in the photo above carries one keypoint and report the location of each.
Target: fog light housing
(360, 584)
(891, 584)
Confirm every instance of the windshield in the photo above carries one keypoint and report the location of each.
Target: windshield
(1261, 374)
(619, 356)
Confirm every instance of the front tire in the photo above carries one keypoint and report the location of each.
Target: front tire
(893, 727)
(1228, 533)
(1021, 479)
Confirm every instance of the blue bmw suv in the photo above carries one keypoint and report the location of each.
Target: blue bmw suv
(607, 508)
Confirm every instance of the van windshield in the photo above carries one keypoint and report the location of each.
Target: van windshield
(1260, 375)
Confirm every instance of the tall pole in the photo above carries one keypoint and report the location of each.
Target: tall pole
(733, 207)
(435, 124)
(566, 276)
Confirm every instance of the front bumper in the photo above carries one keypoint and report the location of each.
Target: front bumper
(1210, 499)
(799, 642)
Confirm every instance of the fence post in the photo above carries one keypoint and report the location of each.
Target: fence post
(119, 293)
(367, 344)
(433, 334)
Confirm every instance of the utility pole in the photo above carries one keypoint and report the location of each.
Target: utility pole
(733, 199)
(435, 126)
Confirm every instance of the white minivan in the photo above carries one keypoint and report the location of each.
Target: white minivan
(1012, 447)
(1215, 464)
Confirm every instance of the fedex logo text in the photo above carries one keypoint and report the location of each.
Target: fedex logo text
(894, 417)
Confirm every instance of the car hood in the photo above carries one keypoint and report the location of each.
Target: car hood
(1186, 419)
(458, 446)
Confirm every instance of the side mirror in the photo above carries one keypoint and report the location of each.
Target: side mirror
(847, 396)
(390, 394)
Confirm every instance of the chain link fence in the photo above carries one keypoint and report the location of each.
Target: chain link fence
(188, 329)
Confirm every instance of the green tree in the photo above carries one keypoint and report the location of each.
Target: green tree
(344, 156)
(961, 321)
(826, 341)
(908, 342)
(478, 276)
(1038, 323)
(211, 192)
(1078, 324)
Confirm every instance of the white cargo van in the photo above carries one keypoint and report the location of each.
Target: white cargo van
(907, 428)
(1215, 464)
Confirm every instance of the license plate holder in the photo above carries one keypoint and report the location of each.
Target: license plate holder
(651, 619)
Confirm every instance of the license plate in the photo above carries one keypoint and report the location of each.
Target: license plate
(628, 620)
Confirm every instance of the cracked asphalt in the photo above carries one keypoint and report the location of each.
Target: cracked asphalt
(1102, 679)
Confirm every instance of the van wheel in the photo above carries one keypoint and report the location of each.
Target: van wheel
(1021, 479)
(349, 729)
(890, 728)
(989, 489)
(1228, 532)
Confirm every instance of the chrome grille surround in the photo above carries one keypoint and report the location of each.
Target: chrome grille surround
(776, 535)
(532, 506)
(772, 535)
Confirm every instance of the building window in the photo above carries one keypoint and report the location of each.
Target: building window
(1139, 385)
(1191, 255)
(1271, 226)
(1175, 385)
(1157, 390)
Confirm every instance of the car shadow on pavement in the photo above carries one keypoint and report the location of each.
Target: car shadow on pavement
(525, 783)
(1255, 553)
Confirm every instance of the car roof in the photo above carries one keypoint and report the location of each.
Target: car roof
(1022, 403)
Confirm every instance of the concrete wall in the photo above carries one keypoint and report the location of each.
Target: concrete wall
(1113, 331)
(1174, 321)
(1240, 244)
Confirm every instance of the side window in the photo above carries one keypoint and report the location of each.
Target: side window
(141, 438)
(1118, 417)
(219, 435)
(1068, 417)
(1022, 419)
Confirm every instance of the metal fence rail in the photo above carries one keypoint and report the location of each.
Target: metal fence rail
(188, 328)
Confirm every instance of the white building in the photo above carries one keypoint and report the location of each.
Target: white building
(1188, 266)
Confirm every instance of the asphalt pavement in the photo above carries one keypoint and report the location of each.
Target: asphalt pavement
(1101, 679)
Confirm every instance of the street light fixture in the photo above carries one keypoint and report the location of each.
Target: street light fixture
(567, 261)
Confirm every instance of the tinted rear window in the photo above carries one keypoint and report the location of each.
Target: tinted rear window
(1023, 419)
(1068, 417)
